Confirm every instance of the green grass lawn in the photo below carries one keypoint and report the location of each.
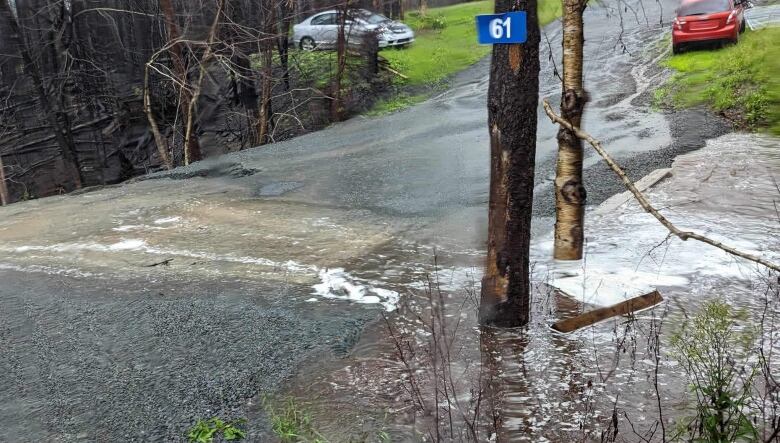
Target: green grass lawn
(446, 43)
(740, 81)
(438, 53)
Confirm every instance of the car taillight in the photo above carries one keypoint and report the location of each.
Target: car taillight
(678, 23)
(731, 17)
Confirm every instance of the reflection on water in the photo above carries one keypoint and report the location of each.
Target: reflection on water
(427, 370)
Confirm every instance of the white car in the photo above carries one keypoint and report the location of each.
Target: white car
(321, 30)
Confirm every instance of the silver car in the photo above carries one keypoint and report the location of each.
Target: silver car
(321, 30)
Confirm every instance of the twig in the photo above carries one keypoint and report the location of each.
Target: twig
(682, 235)
(393, 71)
(165, 262)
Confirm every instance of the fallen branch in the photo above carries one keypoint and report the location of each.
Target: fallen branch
(165, 262)
(683, 235)
(393, 71)
(597, 315)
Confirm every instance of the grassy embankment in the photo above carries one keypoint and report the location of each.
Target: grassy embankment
(446, 42)
(739, 81)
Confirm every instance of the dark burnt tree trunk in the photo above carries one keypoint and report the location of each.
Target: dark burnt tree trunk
(513, 98)
(287, 12)
(54, 116)
(370, 47)
(191, 146)
(341, 62)
(264, 113)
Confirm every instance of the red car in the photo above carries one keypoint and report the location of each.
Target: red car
(707, 20)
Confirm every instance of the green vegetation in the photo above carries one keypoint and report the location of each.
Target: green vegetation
(316, 68)
(446, 41)
(396, 103)
(739, 81)
(205, 431)
(293, 425)
(290, 423)
(716, 355)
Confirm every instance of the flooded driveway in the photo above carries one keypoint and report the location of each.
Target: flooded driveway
(538, 385)
(131, 311)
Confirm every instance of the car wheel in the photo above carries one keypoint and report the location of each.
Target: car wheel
(676, 49)
(308, 44)
(742, 27)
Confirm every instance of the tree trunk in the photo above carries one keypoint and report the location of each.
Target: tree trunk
(513, 98)
(62, 134)
(4, 198)
(159, 139)
(191, 145)
(190, 154)
(264, 108)
(283, 45)
(264, 114)
(341, 61)
(569, 190)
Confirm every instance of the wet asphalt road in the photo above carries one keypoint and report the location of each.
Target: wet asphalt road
(99, 347)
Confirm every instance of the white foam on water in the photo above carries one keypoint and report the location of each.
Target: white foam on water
(125, 228)
(608, 275)
(450, 279)
(166, 220)
(723, 191)
(138, 245)
(51, 270)
(128, 245)
(338, 284)
(128, 228)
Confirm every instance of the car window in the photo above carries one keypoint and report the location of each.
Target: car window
(701, 7)
(324, 19)
(375, 19)
(371, 18)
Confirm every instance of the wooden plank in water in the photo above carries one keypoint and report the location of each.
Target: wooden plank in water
(591, 317)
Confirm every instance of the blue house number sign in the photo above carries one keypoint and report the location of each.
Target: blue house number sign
(509, 27)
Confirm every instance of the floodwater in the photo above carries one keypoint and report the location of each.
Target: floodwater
(129, 312)
(538, 385)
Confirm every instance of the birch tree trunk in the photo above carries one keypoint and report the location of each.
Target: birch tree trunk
(513, 98)
(569, 190)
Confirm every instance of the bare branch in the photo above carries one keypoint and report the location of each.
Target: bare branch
(683, 235)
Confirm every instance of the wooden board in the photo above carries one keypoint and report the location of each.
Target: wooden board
(597, 315)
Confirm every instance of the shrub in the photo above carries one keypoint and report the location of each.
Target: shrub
(435, 22)
(205, 431)
(714, 353)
